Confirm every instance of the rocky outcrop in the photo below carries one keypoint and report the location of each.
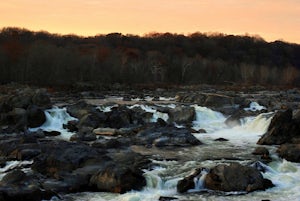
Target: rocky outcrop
(227, 178)
(282, 129)
(23, 109)
(64, 167)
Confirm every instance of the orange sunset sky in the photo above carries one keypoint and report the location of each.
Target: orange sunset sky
(271, 19)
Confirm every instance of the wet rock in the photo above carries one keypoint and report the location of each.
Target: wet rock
(282, 129)
(80, 109)
(221, 139)
(187, 182)
(124, 175)
(119, 117)
(290, 152)
(166, 136)
(36, 116)
(260, 151)
(164, 198)
(94, 119)
(52, 133)
(84, 134)
(181, 114)
(61, 156)
(235, 177)
(217, 100)
(16, 185)
(71, 126)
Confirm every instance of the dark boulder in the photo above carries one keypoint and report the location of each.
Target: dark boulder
(187, 182)
(290, 152)
(80, 109)
(282, 129)
(16, 185)
(84, 134)
(36, 116)
(181, 114)
(94, 119)
(119, 117)
(166, 136)
(124, 174)
(235, 177)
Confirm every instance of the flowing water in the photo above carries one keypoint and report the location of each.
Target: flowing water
(163, 177)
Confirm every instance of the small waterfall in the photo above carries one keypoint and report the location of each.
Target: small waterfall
(254, 106)
(208, 119)
(259, 123)
(155, 114)
(55, 119)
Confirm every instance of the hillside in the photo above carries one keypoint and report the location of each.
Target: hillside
(42, 58)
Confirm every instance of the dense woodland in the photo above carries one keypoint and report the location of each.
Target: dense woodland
(41, 58)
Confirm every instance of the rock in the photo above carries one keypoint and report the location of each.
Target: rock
(235, 177)
(80, 109)
(166, 136)
(18, 118)
(94, 119)
(181, 114)
(124, 175)
(221, 139)
(217, 100)
(187, 182)
(36, 116)
(41, 98)
(12, 177)
(164, 198)
(114, 143)
(261, 151)
(234, 120)
(71, 126)
(119, 117)
(290, 152)
(282, 129)
(16, 185)
(52, 133)
(84, 134)
(105, 131)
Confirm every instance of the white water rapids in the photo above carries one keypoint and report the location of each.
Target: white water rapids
(163, 178)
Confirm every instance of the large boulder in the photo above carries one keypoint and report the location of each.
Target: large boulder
(124, 174)
(119, 117)
(16, 185)
(282, 129)
(36, 116)
(181, 115)
(290, 152)
(80, 109)
(235, 177)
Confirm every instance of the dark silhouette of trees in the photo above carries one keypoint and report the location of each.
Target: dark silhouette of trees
(42, 58)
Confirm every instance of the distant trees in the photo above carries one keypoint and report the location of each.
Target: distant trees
(42, 58)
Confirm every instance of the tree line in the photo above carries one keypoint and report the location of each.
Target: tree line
(41, 58)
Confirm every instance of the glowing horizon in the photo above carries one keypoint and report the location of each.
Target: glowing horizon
(272, 20)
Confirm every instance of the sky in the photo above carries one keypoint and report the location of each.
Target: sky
(270, 19)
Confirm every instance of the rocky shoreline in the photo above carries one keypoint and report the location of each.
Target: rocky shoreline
(100, 156)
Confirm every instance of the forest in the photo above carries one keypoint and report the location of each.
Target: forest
(44, 59)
